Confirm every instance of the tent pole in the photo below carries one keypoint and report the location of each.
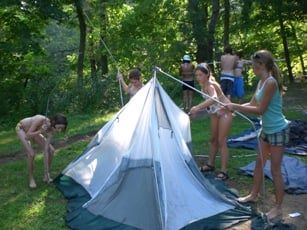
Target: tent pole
(156, 68)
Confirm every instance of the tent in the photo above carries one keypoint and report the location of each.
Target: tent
(138, 173)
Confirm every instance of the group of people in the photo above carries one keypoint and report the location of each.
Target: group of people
(231, 78)
(267, 102)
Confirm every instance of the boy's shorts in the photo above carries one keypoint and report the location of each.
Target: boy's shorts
(226, 84)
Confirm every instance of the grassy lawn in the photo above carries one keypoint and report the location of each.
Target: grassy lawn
(22, 208)
(79, 124)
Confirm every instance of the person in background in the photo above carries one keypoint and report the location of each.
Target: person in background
(39, 129)
(228, 63)
(186, 71)
(221, 119)
(238, 85)
(274, 134)
(135, 82)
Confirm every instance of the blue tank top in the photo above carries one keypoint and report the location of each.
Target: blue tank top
(273, 119)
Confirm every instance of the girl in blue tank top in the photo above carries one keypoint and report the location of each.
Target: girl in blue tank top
(274, 135)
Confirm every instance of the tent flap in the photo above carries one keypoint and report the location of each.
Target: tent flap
(138, 172)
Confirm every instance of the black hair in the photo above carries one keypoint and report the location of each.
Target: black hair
(59, 119)
(228, 50)
(135, 73)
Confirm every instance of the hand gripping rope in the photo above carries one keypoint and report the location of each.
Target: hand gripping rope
(157, 69)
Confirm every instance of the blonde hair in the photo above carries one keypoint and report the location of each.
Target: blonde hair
(265, 57)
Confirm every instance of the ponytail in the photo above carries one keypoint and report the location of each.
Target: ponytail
(265, 57)
(277, 75)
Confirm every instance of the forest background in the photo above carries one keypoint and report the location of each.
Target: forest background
(63, 55)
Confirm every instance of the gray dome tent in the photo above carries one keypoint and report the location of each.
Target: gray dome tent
(138, 173)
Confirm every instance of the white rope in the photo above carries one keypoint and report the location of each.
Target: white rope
(204, 94)
(112, 57)
(236, 112)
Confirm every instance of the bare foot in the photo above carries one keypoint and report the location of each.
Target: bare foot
(32, 183)
(249, 198)
(275, 214)
(47, 179)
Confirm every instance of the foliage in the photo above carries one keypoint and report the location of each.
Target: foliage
(40, 44)
(22, 208)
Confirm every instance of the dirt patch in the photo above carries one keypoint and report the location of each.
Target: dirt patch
(63, 143)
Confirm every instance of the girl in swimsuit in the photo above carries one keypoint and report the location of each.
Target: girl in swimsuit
(220, 119)
(39, 129)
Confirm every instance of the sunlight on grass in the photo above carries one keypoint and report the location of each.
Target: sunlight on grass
(36, 207)
(6, 140)
(87, 122)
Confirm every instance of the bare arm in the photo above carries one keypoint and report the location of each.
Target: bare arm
(35, 128)
(253, 107)
(48, 142)
(122, 82)
(205, 104)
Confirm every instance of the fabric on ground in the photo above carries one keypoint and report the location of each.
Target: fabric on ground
(79, 217)
(138, 172)
(297, 144)
(293, 172)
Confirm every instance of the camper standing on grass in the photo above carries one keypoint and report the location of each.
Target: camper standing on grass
(39, 129)
(221, 119)
(228, 63)
(135, 82)
(274, 134)
(186, 71)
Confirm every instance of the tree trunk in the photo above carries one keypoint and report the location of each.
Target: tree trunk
(226, 23)
(211, 30)
(198, 14)
(103, 62)
(92, 55)
(285, 43)
(298, 47)
(82, 27)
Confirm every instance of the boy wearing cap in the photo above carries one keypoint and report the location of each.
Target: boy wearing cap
(186, 72)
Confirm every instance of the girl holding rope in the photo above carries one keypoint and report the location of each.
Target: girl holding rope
(221, 119)
(274, 134)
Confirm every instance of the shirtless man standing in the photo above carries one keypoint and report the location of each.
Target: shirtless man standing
(228, 63)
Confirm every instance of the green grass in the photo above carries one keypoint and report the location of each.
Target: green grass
(79, 124)
(40, 208)
(45, 207)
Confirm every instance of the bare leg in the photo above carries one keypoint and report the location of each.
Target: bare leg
(276, 158)
(213, 140)
(224, 126)
(258, 173)
(189, 101)
(185, 100)
(30, 156)
(47, 156)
